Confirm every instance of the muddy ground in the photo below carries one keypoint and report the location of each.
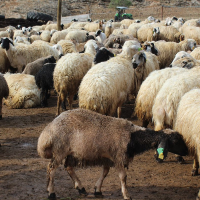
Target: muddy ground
(23, 173)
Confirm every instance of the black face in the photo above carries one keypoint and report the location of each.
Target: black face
(52, 59)
(5, 43)
(135, 65)
(102, 55)
(177, 145)
(98, 33)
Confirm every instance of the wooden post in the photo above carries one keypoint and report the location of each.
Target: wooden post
(162, 12)
(59, 15)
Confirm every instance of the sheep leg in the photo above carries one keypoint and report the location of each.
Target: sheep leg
(43, 100)
(195, 166)
(61, 98)
(0, 108)
(119, 111)
(70, 100)
(77, 182)
(123, 177)
(52, 166)
(99, 183)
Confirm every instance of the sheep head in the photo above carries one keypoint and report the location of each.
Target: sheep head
(139, 59)
(5, 43)
(185, 62)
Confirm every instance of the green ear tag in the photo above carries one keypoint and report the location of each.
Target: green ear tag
(139, 49)
(160, 152)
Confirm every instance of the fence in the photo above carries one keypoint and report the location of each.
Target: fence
(159, 12)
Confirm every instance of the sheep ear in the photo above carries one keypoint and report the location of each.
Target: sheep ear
(142, 55)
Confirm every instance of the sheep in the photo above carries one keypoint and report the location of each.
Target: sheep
(166, 102)
(44, 81)
(33, 67)
(23, 91)
(149, 90)
(100, 36)
(102, 55)
(196, 53)
(49, 27)
(83, 138)
(143, 63)
(77, 25)
(127, 22)
(110, 82)
(168, 50)
(181, 54)
(21, 40)
(4, 62)
(148, 34)
(187, 124)
(69, 72)
(32, 38)
(93, 27)
(59, 35)
(68, 46)
(4, 92)
(79, 36)
(20, 56)
(45, 35)
(185, 62)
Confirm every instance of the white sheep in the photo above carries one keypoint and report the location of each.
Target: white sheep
(196, 53)
(106, 85)
(143, 63)
(181, 54)
(45, 35)
(100, 36)
(168, 50)
(185, 62)
(187, 124)
(23, 91)
(166, 103)
(59, 35)
(69, 72)
(82, 138)
(68, 46)
(4, 62)
(78, 35)
(149, 90)
(93, 27)
(20, 56)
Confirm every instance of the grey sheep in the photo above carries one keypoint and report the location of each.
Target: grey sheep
(33, 67)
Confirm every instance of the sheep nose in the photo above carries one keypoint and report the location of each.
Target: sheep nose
(135, 65)
(170, 65)
(60, 55)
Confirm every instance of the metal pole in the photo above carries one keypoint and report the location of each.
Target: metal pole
(59, 15)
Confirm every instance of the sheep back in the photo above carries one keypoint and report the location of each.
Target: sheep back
(88, 135)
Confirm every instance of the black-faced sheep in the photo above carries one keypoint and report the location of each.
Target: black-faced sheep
(84, 138)
(33, 67)
(102, 55)
(44, 81)
(4, 92)
(20, 56)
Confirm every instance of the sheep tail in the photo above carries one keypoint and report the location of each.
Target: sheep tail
(44, 147)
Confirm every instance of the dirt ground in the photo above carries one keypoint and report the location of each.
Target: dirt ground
(23, 173)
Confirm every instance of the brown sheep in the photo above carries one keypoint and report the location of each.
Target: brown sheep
(85, 138)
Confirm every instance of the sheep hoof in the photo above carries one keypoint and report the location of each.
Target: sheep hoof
(82, 192)
(180, 159)
(98, 194)
(194, 172)
(52, 196)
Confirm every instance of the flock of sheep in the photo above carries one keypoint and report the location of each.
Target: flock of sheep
(104, 63)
